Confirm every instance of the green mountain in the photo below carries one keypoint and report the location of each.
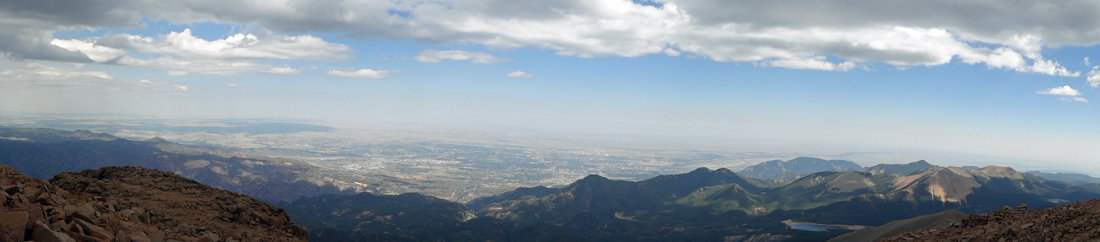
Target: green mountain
(415, 217)
(372, 214)
(44, 152)
(779, 173)
(510, 198)
(702, 202)
(899, 169)
(608, 198)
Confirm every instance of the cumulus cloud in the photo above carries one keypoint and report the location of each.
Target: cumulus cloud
(240, 46)
(519, 74)
(1094, 77)
(285, 70)
(1072, 95)
(361, 73)
(435, 56)
(1062, 90)
(774, 33)
(38, 78)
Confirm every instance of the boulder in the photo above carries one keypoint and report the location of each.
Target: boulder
(13, 224)
(43, 233)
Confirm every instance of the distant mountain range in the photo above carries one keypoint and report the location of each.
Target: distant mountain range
(43, 153)
(779, 172)
(701, 205)
(705, 205)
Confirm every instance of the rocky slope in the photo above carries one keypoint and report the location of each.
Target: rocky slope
(891, 229)
(133, 204)
(1073, 222)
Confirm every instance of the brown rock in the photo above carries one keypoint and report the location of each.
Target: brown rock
(94, 231)
(85, 212)
(43, 233)
(209, 237)
(14, 223)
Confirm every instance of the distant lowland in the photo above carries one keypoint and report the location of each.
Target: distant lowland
(802, 199)
(251, 127)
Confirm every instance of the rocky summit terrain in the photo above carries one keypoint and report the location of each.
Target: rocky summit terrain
(132, 204)
(1073, 222)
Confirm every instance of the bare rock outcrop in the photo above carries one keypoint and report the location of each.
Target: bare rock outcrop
(133, 204)
(1073, 222)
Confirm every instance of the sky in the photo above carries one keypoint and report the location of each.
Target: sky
(1005, 78)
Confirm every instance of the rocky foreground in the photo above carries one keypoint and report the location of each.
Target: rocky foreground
(1073, 222)
(133, 204)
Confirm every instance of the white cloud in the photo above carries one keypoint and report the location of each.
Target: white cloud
(196, 66)
(435, 56)
(672, 52)
(1087, 62)
(1062, 90)
(361, 73)
(1050, 67)
(95, 52)
(176, 73)
(285, 70)
(1075, 99)
(519, 74)
(38, 78)
(898, 33)
(240, 46)
(815, 63)
(1094, 77)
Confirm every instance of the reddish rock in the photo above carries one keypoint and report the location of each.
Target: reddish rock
(1072, 222)
(132, 204)
(14, 224)
(43, 233)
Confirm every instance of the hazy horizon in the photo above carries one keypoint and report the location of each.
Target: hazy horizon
(997, 79)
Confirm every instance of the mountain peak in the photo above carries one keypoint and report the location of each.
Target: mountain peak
(701, 170)
(156, 139)
(801, 165)
(900, 169)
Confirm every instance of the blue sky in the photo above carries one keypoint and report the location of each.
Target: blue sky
(998, 78)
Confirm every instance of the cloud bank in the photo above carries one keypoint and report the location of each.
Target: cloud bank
(836, 35)
(35, 78)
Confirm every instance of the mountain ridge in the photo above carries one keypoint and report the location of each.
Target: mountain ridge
(269, 179)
